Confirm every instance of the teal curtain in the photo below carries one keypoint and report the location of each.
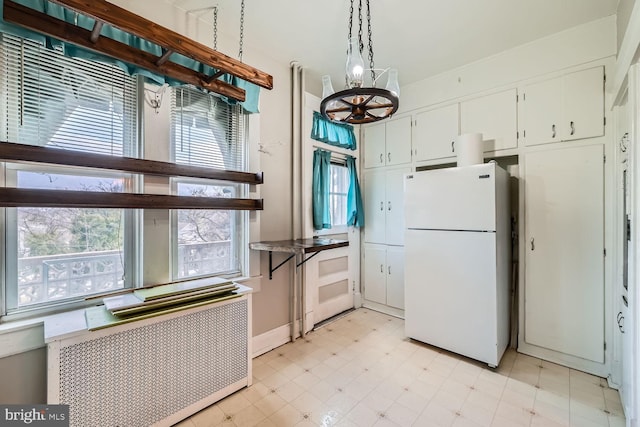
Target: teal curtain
(336, 134)
(355, 211)
(320, 187)
(59, 12)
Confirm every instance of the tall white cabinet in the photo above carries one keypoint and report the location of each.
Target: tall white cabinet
(387, 157)
(564, 251)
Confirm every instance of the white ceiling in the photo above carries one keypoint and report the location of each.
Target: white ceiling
(420, 38)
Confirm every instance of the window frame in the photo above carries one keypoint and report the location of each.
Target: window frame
(240, 226)
(132, 147)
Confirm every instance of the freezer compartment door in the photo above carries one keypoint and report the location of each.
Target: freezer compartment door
(450, 292)
(452, 199)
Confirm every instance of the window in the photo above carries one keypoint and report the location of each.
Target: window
(205, 131)
(55, 256)
(338, 190)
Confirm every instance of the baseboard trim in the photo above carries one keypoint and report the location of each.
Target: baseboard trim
(271, 339)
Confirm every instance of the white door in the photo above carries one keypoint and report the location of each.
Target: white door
(583, 105)
(374, 145)
(398, 141)
(450, 291)
(540, 107)
(375, 206)
(564, 264)
(494, 116)
(394, 208)
(435, 133)
(395, 276)
(375, 274)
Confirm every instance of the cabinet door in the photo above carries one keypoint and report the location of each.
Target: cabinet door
(375, 275)
(394, 207)
(435, 133)
(494, 116)
(564, 264)
(375, 206)
(398, 141)
(540, 112)
(374, 146)
(583, 105)
(395, 277)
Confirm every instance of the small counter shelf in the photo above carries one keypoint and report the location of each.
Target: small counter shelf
(298, 248)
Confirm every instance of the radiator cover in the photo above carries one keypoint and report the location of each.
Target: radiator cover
(156, 372)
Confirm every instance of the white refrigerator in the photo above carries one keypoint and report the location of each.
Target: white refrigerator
(458, 259)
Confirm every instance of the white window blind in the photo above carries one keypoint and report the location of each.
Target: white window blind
(56, 101)
(208, 132)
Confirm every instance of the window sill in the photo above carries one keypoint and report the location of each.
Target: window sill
(19, 336)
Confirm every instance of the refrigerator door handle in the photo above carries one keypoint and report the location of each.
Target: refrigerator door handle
(533, 246)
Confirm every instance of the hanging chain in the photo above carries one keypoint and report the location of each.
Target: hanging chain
(360, 44)
(373, 71)
(215, 28)
(241, 29)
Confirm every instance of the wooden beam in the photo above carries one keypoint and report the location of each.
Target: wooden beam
(95, 33)
(17, 14)
(129, 22)
(23, 197)
(30, 153)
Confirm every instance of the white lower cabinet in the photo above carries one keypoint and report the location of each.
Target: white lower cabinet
(564, 253)
(384, 275)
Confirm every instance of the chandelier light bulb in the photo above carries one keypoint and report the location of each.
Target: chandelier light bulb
(355, 64)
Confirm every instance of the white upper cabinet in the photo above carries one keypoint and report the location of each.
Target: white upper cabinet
(388, 143)
(564, 108)
(495, 116)
(435, 132)
(374, 140)
(583, 104)
(398, 136)
(540, 112)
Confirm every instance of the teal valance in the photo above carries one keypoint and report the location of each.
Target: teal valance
(336, 134)
(59, 12)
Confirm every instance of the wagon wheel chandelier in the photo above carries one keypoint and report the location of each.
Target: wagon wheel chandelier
(357, 104)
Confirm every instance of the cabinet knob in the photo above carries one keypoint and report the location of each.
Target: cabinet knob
(573, 129)
(453, 146)
(389, 157)
(553, 131)
(381, 158)
(389, 269)
(389, 206)
(381, 268)
(533, 245)
(381, 206)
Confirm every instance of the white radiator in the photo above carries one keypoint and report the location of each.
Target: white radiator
(155, 371)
